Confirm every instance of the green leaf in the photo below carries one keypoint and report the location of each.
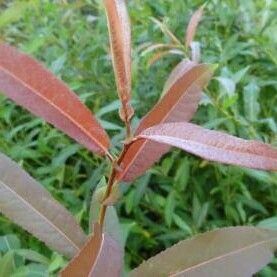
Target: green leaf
(182, 175)
(7, 264)
(9, 242)
(238, 76)
(251, 101)
(15, 12)
(32, 256)
(57, 262)
(228, 85)
(58, 64)
(66, 152)
(199, 212)
(32, 270)
(96, 200)
(182, 224)
(269, 223)
(125, 230)
(169, 208)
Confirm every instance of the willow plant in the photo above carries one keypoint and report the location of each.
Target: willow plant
(234, 251)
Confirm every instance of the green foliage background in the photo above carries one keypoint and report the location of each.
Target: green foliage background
(181, 195)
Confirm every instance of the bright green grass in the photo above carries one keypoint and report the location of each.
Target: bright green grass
(182, 195)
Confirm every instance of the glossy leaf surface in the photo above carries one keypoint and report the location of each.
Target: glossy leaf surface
(179, 104)
(30, 85)
(214, 145)
(29, 205)
(234, 251)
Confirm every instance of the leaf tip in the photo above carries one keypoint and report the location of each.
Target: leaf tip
(214, 67)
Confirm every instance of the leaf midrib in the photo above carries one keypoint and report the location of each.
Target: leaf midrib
(156, 138)
(96, 142)
(41, 215)
(224, 255)
(162, 121)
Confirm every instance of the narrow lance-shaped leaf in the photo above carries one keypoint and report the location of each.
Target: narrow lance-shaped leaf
(154, 47)
(193, 24)
(120, 40)
(29, 205)
(183, 67)
(234, 251)
(178, 104)
(7, 264)
(101, 256)
(30, 85)
(214, 145)
(166, 31)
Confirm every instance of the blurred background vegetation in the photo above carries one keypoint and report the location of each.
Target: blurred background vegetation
(181, 195)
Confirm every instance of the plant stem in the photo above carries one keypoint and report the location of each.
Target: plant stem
(111, 182)
(128, 130)
(107, 194)
(109, 156)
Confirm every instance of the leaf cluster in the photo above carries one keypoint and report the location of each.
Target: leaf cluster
(163, 126)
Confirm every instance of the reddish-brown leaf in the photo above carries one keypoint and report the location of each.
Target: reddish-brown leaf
(214, 146)
(101, 256)
(181, 68)
(179, 104)
(157, 56)
(30, 85)
(192, 26)
(120, 40)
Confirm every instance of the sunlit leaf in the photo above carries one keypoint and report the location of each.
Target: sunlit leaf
(214, 146)
(15, 11)
(30, 85)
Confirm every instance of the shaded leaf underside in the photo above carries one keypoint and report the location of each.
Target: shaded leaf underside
(29, 205)
(234, 251)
